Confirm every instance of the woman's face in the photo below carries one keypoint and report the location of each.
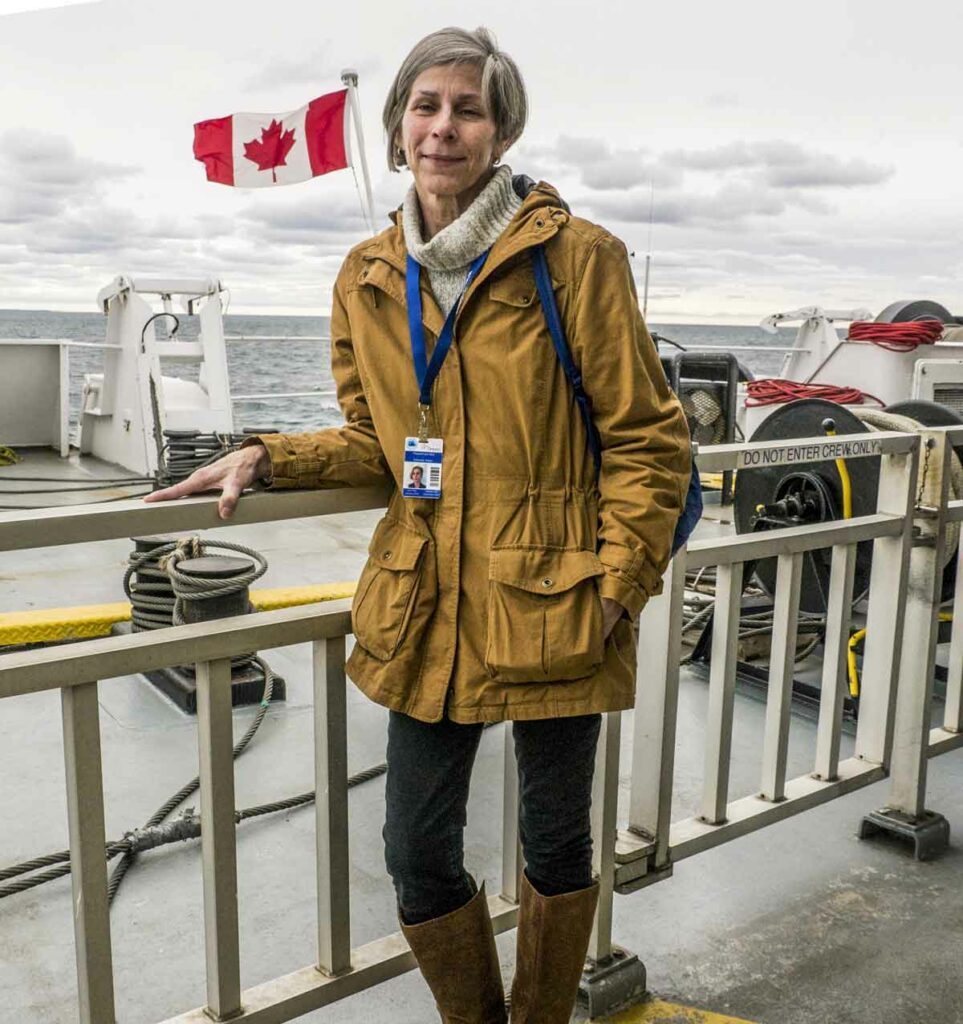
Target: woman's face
(447, 132)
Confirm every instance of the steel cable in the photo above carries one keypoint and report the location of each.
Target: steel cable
(134, 841)
(117, 875)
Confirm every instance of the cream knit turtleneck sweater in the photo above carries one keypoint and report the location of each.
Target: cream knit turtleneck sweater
(448, 255)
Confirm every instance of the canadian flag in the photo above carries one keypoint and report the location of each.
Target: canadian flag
(254, 150)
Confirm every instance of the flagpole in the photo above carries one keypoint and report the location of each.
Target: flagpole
(349, 78)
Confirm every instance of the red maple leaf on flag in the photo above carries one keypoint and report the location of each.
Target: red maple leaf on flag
(270, 150)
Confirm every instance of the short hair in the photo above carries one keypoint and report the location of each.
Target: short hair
(501, 84)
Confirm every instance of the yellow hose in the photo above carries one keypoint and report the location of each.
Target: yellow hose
(844, 479)
(851, 662)
(851, 654)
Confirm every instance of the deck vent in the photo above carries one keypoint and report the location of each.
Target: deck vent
(950, 395)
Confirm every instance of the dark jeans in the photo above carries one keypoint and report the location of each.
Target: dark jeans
(429, 772)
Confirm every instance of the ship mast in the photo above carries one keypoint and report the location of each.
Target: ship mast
(648, 255)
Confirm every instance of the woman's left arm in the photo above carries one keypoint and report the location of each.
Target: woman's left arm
(646, 449)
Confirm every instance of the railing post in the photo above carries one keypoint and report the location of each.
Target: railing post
(953, 712)
(656, 710)
(331, 806)
(612, 975)
(905, 813)
(722, 692)
(833, 688)
(88, 867)
(884, 619)
(605, 802)
(218, 841)
(781, 665)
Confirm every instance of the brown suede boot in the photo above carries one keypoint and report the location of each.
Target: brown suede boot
(553, 937)
(457, 956)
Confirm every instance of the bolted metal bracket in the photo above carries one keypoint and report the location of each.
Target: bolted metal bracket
(930, 833)
(609, 984)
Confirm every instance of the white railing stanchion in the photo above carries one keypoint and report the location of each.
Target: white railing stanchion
(605, 806)
(910, 753)
(953, 712)
(331, 806)
(656, 710)
(88, 868)
(835, 675)
(782, 662)
(722, 692)
(512, 859)
(884, 618)
(218, 841)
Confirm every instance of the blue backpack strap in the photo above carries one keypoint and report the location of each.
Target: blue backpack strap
(692, 512)
(543, 282)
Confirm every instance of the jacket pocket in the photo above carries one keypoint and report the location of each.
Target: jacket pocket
(390, 590)
(544, 615)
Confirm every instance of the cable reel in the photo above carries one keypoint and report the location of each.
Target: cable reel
(777, 497)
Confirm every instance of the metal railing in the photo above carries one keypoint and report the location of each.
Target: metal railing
(901, 624)
(891, 739)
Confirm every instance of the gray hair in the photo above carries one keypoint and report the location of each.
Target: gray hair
(501, 83)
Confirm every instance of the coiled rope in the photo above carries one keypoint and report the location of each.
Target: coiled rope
(157, 595)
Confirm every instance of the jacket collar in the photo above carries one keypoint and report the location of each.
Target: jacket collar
(539, 218)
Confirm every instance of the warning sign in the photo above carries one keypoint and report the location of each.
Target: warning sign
(819, 452)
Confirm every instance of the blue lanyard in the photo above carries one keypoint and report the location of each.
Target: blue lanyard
(426, 371)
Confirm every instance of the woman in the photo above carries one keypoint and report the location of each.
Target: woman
(513, 596)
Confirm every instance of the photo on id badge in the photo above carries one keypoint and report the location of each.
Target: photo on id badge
(422, 469)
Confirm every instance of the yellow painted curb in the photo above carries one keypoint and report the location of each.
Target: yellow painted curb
(47, 625)
(287, 597)
(52, 625)
(656, 1011)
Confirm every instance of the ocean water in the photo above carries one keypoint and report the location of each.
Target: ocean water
(258, 367)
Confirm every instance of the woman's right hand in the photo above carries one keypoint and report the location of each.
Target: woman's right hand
(229, 475)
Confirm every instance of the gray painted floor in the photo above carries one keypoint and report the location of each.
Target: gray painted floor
(798, 924)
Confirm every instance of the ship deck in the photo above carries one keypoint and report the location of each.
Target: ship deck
(799, 923)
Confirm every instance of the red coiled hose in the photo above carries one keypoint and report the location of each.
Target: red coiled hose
(896, 337)
(774, 391)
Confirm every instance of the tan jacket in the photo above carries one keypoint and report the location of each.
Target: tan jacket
(485, 604)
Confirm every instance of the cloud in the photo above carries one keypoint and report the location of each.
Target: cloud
(599, 165)
(782, 164)
(722, 185)
(304, 222)
(42, 177)
(725, 186)
(318, 70)
(726, 206)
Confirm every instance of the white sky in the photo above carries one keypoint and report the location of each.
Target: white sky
(800, 153)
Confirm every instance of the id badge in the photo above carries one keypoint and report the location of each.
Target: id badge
(422, 468)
